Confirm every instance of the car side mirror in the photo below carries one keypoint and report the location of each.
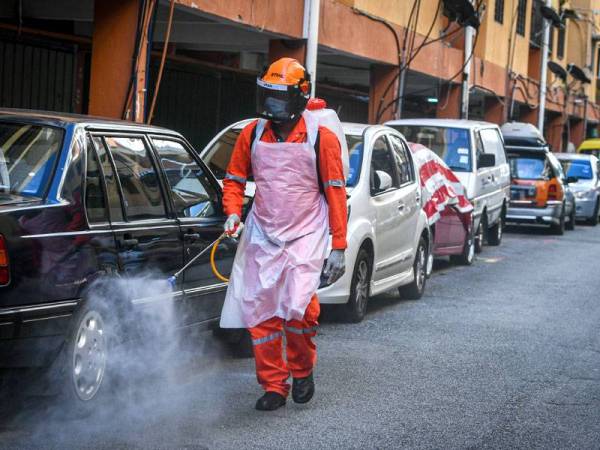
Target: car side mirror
(571, 180)
(486, 160)
(383, 181)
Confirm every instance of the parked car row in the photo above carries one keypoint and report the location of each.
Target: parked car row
(87, 201)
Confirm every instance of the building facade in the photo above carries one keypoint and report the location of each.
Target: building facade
(376, 60)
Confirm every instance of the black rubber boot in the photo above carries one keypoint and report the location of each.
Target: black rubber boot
(270, 401)
(303, 389)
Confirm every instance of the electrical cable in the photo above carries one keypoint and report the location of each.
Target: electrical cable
(162, 62)
(448, 81)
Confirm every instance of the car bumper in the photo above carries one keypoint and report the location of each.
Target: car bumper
(31, 336)
(337, 293)
(584, 209)
(548, 215)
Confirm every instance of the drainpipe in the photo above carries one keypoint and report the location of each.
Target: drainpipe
(464, 108)
(544, 70)
(311, 34)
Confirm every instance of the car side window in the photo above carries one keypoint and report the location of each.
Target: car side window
(95, 203)
(492, 144)
(140, 185)
(478, 144)
(190, 188)
(383, 173)
(110, 181)
(402, 160)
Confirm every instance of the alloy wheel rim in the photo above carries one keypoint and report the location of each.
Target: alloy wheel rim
(420, 268)
(480, 235)
(89, 356)
(362, 284)
(500, 230)
(471, 252)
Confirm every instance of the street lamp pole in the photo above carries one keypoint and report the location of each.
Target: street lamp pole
(311, 34)
(544, 70)
(464, 109)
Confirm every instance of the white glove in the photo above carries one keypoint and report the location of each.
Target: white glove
(336, 266)
(231, 224)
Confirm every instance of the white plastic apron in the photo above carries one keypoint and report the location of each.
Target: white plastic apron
(280, 257)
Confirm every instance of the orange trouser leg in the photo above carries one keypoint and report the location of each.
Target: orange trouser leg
(301, 350)
(271, 370)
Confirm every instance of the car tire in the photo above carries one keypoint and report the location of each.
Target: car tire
(238, 341)
(593, 221)
(356, 308)
(415, 290)
(494, 235)
(467, 256)
(570, 225)
(86, 368)
(559, 229)
(480, 235)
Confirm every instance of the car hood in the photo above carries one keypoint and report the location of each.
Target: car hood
(9, 199)
(582, 185)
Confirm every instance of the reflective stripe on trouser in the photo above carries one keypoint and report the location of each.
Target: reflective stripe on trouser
(272, 371)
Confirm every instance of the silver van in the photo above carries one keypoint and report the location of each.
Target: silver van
(475, 153)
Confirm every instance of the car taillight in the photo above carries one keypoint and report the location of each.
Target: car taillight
(553, 192)
(4, 269)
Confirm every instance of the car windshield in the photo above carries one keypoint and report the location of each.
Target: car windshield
(581, 169)
(28, 155)
(355, 150)
(451, 144)
(529, 168)
(218, 155)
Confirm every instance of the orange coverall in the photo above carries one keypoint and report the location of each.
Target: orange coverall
(271, 368)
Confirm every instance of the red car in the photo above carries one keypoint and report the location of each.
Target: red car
(449, 212)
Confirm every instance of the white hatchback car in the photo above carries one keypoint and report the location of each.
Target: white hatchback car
(388, 236)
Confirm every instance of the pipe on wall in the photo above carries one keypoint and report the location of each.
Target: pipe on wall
(544, 70)
(311, 34)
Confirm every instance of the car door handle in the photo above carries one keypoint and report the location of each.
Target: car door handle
(129, 243)
(401, 207)
(191, 236)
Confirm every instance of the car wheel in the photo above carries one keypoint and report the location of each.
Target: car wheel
(356, 307)
(467, 256)
(495, 233)
(238, 341)
(594, 220)
(415, 289)
(559, 229)
(86, 365)
(571, 223)
(480, 235)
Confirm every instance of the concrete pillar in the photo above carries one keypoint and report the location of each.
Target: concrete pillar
(380, 78)
(449, 102)
(577, 131)
(494, 111)
(281, 48)
(113, 42)
(554, 130)
(529, 115)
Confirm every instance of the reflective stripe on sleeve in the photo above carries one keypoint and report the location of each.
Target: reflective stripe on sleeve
(235, 178)
(334, 183)
(268, 338)
(301, 330)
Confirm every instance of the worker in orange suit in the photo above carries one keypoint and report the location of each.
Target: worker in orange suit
(300, 200)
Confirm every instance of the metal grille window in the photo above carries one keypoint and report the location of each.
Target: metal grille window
(521, 17)
(560, 50)
(499, 11)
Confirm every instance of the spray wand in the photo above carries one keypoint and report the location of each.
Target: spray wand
(172, 280)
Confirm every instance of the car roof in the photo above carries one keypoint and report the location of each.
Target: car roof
(59, 119)
(590, 144)
(448, 123)
(352, 128)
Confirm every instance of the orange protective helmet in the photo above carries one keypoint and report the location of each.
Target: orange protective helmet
(283, 90)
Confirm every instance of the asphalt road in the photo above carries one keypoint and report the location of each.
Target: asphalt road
(503, 354)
